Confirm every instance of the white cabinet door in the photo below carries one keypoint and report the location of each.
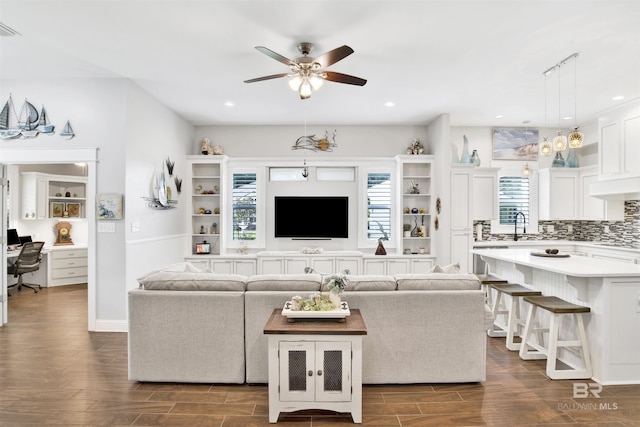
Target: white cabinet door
(461, 199)
(485, 194)
(375, 267)
(296, 265)
(245, 267)
(558, 194)
(270, 265)
(323, 265)
(609, 149)
(397, 266)
(594, 208)
(421, 265)
(351, 264)
(222, 266)
(631, 144)
(200, 263)
(461, 244)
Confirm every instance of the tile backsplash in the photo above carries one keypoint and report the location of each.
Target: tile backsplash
(621, 233)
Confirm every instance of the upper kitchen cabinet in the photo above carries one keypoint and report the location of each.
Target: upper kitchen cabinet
(619, 147)
(485, 193)
(558, 190)
(52, 196)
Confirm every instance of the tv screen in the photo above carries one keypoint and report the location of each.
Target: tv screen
(312, 217)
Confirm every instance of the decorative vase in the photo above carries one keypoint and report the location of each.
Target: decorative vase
(572, 159)
(475, 158)
(335, 299)
(558, 161)
(380, 250)
(465, 151)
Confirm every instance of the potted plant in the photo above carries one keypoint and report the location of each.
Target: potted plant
(336, 284)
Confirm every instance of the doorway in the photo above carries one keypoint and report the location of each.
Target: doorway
(17, 156)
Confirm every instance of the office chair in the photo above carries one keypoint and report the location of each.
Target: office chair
(27, 262)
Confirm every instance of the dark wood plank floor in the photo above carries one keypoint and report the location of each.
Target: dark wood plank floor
(53, 372)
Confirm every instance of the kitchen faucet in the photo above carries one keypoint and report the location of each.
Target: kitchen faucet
(515, 225)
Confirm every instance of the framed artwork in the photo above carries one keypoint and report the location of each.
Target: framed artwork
(73, 210)
(56, 209)
(109, 206)
(515, 144)
(203, 248)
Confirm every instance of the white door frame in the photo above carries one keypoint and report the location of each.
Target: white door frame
(3, 214)
(42, 155)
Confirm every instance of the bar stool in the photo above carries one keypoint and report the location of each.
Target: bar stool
(486, 280)
(513, 321)
(531, 351)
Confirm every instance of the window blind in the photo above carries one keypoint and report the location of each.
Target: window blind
(244, 206)
(378, 205)
(514, 196)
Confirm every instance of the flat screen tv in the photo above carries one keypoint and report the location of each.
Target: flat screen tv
(307, 217)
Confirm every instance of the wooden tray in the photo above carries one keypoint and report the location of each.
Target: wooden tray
(544, 254)
(336, 313)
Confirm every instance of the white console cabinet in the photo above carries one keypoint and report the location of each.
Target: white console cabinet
(315, 365)
(243, 265)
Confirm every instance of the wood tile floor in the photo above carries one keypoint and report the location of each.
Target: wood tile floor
(53, 372)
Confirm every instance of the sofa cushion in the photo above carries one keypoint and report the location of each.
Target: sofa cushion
(284, 282)
(437, 281)
(193, 281)
(449, 269)
(371, 283)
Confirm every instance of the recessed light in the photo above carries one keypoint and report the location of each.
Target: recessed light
(617, 98)
(567, 118)
(229, 104)
(389, 104)
(499, 116)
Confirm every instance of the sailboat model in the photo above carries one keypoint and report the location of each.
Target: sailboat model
(67, 131)
(28, 120)
(9, 121)
(43, 125)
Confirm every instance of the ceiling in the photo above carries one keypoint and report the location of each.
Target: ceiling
(472, 59)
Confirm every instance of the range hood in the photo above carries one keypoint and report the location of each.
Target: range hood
(624, 188)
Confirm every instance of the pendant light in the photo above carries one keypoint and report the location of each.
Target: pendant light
(576, 137)
(526, 170)
(559, 141)
(545, 145)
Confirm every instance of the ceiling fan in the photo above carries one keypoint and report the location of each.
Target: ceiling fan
(308, 73)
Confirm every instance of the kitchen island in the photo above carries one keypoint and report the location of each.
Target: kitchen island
(610, 288)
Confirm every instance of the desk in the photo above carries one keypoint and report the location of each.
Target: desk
(315, 364)
(610, 288)
(60, 265)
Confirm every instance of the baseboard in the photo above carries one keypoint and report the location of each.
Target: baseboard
(112, 326)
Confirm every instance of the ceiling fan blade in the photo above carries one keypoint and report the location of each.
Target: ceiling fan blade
(272, 76)
(333, 56)
(275, 55)
(344, 78)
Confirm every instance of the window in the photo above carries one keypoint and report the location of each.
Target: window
(244, 206)
(378, 206)
(514, 195)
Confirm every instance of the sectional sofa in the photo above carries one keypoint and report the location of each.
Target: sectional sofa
(200, 327)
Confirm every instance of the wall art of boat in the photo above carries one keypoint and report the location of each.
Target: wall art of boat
(67, 131)
(43, 124)
(28, 120)
(9, 121)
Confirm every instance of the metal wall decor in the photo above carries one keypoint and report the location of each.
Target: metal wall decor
(310, 142)
(29, 123)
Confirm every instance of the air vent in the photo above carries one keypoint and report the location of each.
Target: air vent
(6, 31)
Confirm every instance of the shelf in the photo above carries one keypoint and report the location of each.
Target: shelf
(205, 215)
(67, 199)
(206, 177)
(205, 235)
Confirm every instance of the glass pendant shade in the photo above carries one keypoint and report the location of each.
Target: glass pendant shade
(545, 147)
(295, 83)
(305, 89)
(560, 141)
(576, 138)
(526, 170)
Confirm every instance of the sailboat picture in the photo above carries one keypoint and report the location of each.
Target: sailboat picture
(9, 121)
(43, 124)
(28, 120)
(67, 131)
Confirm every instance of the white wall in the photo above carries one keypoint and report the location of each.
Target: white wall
(119, 119)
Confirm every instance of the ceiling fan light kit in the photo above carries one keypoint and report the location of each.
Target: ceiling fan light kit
(307, 73)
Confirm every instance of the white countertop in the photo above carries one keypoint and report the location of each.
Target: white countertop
(577, 266)
(552, 244)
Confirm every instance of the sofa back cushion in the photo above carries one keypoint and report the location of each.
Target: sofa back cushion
(437, 281)
(193, 281)
(284, 282)
(371, 283)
